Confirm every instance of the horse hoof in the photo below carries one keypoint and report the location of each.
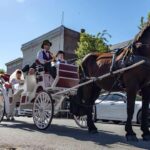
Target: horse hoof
(93, 131)
(146, 137)
(131, 138)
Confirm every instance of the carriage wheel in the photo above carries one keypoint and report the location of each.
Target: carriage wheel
(2, 106)
(43, 110)
(81, 121)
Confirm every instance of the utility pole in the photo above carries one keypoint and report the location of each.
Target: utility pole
(62, 23)
(62, 18)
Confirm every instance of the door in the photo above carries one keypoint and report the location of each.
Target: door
(118, 107)
(113, 107)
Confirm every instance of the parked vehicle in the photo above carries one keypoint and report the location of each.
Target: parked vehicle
(112, 107)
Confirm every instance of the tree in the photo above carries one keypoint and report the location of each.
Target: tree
(143, 22)
(2, 71)
(92, 43)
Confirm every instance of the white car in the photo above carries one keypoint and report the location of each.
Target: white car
(112, 107)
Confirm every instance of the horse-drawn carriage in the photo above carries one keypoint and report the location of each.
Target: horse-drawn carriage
(42, 96)
(39, 97)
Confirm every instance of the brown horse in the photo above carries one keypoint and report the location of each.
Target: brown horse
(132, 81)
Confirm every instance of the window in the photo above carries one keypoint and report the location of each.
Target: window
(116, 97)
(112, 97)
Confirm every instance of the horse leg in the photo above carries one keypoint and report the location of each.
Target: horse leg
(131, 95)
(90, 123)
(92, 91)
(95, 93)
(145, 107)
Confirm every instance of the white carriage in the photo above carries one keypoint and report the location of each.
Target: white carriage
(38, 96)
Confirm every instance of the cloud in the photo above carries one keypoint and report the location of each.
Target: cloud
(20, 1)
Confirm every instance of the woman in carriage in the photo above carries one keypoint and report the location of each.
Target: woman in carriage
(16, 80)
(11, 91)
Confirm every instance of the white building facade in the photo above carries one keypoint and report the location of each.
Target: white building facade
(61, 38)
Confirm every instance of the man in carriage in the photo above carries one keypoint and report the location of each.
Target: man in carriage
(45, 57)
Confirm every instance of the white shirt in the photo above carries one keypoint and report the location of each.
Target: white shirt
(40, 56)
(15, 84)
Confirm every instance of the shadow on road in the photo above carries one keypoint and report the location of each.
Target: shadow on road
(104, 138)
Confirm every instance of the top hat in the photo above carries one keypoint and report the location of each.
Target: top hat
(46, 42)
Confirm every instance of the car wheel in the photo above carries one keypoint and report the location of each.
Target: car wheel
(104, 120)
(139, 117)
(116, 122)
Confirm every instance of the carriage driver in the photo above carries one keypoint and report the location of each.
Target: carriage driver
(45, 58)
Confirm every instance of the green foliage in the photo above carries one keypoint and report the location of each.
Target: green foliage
(2, 71)
(143, 22)
(92, 43)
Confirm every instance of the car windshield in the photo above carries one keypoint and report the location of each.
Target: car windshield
(103, 97)
(112, 97)
(116, 97)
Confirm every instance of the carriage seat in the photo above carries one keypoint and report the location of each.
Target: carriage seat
(67, 75)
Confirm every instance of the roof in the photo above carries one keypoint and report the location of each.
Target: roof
(13, 61)
(40, 38)
(120, 45)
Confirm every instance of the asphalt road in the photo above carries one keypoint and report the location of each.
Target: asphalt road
(64, 134)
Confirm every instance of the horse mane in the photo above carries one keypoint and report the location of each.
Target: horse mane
(142, 31)
(89, 55)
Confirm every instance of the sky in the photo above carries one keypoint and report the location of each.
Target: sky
(24, 20)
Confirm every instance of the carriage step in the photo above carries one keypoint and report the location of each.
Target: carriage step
(24, 112)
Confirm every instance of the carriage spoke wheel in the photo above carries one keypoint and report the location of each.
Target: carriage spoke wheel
(2, 106)
(42, 110)
(81, 121)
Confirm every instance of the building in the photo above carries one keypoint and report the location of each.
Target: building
(62, 38)
(121, 45)
(14, 64)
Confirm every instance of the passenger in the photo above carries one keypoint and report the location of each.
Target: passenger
(16, 80)
(31, 71)
(60, 57)
(6, 90)
(45, 58)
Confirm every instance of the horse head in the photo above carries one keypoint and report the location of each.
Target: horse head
(141, 43)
